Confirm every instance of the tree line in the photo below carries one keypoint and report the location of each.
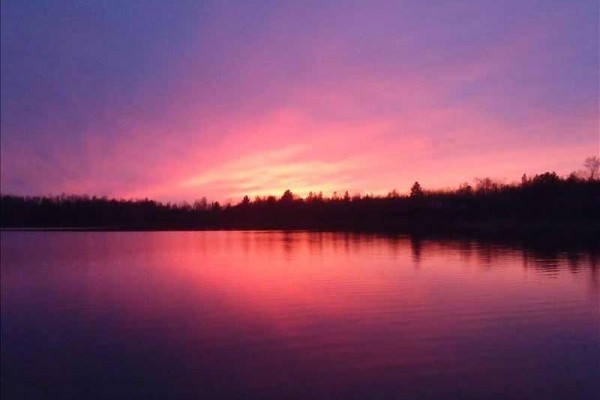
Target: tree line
(544, 200)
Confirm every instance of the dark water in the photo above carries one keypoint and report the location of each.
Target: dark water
(186, 315)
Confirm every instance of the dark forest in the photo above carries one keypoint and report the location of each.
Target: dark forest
(544, 202)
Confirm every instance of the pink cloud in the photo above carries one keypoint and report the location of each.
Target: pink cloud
(361, 126)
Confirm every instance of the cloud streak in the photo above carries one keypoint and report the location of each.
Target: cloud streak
(256, 99)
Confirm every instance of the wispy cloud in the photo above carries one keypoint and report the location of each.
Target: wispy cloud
(359, 97)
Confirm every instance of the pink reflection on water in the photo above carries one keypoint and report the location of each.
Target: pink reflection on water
(278, 310)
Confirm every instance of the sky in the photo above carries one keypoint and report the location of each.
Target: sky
(178, 100)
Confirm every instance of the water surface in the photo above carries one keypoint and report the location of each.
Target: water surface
(184, 315)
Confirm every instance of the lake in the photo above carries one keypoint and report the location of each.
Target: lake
(306, 315)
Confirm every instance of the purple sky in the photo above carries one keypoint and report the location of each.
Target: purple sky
(178, 100)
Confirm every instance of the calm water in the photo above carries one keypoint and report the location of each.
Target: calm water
(185, 315)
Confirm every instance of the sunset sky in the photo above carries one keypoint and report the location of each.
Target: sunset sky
(178, 100)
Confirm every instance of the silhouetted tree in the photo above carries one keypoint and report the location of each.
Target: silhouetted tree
(201, 204)
(465, 189)
(393, 194)
(592, 164)
(287, 196)
(416, 190)
(546, 179)
(486, 185)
